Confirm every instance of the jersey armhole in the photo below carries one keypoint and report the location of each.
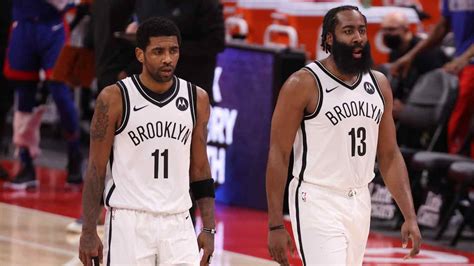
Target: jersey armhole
(320, 98)
(376, 83)
(192, 91)
(125, 107)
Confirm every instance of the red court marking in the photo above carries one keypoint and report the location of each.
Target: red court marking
(244, 230)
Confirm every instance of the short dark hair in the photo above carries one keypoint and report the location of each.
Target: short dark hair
(156, 27)
(330, 21)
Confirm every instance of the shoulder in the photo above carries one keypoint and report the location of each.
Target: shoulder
(383, 84)
(202, 96)
(110, 94)
(300, 82)
(203, 108)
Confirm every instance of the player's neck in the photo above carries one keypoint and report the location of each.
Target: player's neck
(330, 65)
(153, 85)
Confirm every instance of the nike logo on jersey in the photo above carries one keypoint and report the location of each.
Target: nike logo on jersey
(329, 90)
(139, 108)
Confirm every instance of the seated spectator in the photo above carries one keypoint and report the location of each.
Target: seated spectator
(398, 37)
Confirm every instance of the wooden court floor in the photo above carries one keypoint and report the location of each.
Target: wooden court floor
(32, 237)
(33, 231)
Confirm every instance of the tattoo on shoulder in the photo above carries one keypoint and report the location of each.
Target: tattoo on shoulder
(100, 121)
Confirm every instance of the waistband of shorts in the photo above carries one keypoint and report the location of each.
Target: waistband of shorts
(161, 214)
(346, 192)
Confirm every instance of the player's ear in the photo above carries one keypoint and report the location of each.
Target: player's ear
(140, 54)
(329, 39)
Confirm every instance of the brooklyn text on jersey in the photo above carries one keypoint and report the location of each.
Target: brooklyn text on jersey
(160, 129)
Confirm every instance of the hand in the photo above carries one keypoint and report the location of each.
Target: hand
(410, 231)
(206, 242)
(90, 246)
(132, 27)
(279, 241)
(401, 66)
(456, 65)
(397, 107)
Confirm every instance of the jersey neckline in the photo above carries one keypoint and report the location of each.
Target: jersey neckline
(351, 87)
(156, 98)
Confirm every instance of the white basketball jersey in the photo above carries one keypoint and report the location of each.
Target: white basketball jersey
(336, 145)
(152, 148)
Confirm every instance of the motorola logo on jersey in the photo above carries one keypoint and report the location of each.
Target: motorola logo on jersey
(369, 88)
(182, 104)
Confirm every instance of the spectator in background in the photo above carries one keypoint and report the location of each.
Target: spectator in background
(457, 16)
(6, 93)
(203, 33)
(115, 57)
(398, 37)
(37, 36)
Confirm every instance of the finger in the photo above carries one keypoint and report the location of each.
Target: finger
(202, 262)
(101, 253)
(205, 256)
(270, 252)
(209, 259)
(81, 257)
(87, 260)
(275, 255)
(394, 71)
(291, 246)
(95, 261)
(281, 257)
(416, 242)
(405, 72)
(404, 238)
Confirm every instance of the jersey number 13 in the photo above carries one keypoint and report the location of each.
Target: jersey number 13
(358, 145)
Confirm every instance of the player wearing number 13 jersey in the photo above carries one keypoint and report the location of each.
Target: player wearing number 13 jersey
(149, 132)
(336, 116)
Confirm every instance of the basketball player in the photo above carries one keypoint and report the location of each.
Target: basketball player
(337, 113)
(153, 127)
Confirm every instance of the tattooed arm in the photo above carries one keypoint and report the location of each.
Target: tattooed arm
(200, 170)
(107, 116)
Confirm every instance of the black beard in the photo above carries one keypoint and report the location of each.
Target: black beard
(346, 63)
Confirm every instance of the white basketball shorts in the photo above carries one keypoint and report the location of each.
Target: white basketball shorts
(330, 227)
(143, 238)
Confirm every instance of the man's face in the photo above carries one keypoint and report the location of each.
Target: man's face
(160, 57)
(349, 46)
(393, 32)
(393, 36)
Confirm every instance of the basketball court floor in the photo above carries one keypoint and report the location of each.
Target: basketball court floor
(33, 223)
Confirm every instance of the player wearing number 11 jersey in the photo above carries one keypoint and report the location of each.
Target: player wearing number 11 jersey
(149, 132)
(336, 116)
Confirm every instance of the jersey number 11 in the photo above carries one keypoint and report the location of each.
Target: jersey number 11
(156, 155)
